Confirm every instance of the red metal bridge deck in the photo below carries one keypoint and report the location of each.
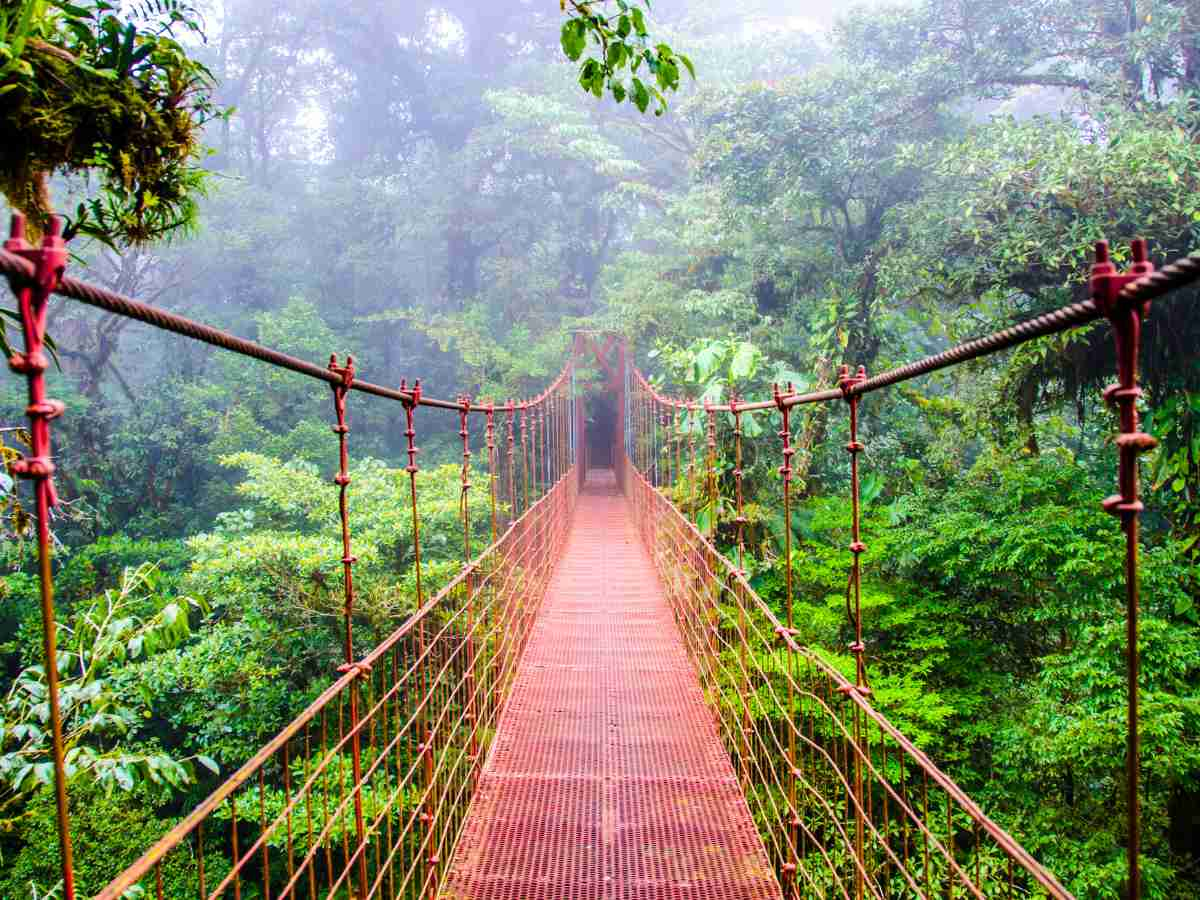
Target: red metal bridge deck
(607, 778)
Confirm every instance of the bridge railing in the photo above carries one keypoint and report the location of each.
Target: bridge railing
(312, 815)
(847, 806)
(364, 794)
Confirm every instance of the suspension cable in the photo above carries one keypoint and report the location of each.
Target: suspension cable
(345, 375)
(19, 270)
(1141, 288)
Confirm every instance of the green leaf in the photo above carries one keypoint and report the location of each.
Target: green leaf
(639, 21)
(209, 763)
(591, 77)
(574, 38)
(641, 96)
(616, 55)
(744, 362)
(706, 361)
(750, 426)
(871, 487)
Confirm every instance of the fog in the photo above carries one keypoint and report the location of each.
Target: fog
(452, 190)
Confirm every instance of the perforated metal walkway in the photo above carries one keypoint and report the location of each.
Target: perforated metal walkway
(607, 778)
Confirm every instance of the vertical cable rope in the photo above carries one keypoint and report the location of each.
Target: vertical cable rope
(794, 773)
(1112, 291)
(342, 480)
(33, 295)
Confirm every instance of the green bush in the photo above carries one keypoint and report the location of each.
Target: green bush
(109, 832)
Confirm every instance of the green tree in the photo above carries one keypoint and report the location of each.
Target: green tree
(90, 88)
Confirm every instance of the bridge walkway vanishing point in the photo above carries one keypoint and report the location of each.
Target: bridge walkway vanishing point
(607, 778)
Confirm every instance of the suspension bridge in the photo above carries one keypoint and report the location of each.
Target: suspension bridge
(599, 704)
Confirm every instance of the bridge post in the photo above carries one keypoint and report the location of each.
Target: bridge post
(342, 480)
(465, 511)
(1125, 317)
(491, 454)
(425, 747)
(510, 440)
(791, 867)
(524, 458)
(848, 384)
(578, 432)
(33, 296)
(678, 449)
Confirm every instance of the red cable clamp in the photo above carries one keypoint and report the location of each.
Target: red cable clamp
(465, 434)
(33, 296)
(360, 669)
(785, 431)
(340, 389)
(847, 382)
(1125, 316)
(410, 404)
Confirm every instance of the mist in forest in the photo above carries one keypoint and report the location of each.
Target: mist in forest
(435, 187)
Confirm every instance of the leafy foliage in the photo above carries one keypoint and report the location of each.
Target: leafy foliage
(622, 41)
(120, 626)
(94, 88)
(416, 183)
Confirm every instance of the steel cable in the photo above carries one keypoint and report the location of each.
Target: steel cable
(19, 269)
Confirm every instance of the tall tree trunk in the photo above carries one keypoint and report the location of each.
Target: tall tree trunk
(1026, 401)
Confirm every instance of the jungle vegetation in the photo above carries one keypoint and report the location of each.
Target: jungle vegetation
(449, 188)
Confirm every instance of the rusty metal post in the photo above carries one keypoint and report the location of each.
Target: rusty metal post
(342, 480)
(49, 261)
(667, 436)
(469, 582)
(562, 421)
(664, 473)
(693, 426)
(491, 454)
(740, 519)
(710, 467)
(539, 451)
(564, 431)
(425, 747)
(535, 421)
(1125, 318)
(794, 771)
(550, 437)
(743, 624)
(525, 457)
(512, 469)
(847, 383)
(654, 422)
(553, 430)
(678, 438)
(621, 441)
(640, 446)
(573, 412)
(544, 428)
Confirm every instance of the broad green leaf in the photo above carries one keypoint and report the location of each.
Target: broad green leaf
(639, 21)
(209, 763)
(641, 96)
(744, 362)
(574, 38)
